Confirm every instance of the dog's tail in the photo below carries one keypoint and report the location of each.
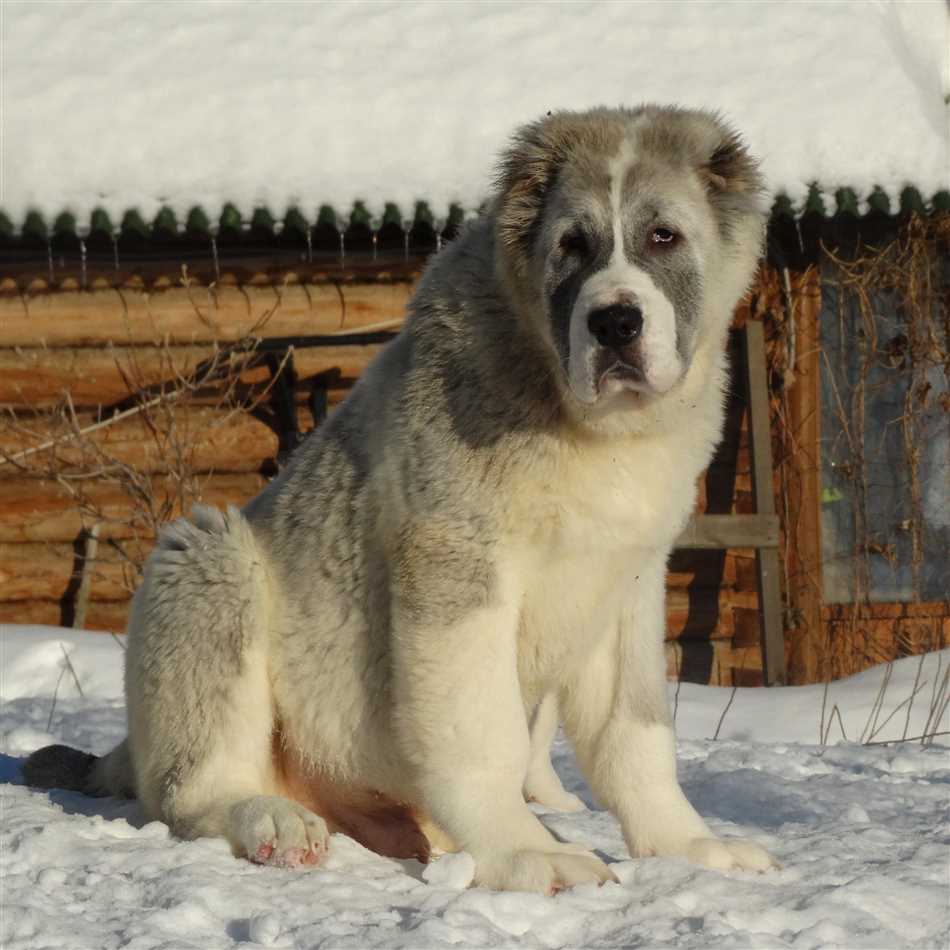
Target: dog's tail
(59, 766)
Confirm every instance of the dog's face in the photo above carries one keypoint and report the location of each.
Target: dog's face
(637, 231)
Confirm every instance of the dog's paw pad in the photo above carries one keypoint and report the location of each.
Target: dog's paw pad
(279, 833)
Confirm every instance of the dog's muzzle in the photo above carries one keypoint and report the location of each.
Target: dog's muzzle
(617, 326)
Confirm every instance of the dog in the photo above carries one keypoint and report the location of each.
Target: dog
(473, 547)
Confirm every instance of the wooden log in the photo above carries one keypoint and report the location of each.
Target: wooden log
(727, 665)
(885, 610)
(202, 438)
(197, 314)
(44, 510)
(38, 571)
(37, 377)
(113, 614)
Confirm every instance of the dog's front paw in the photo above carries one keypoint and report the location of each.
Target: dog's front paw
(540, 872)
(732, 854)
(281, 833)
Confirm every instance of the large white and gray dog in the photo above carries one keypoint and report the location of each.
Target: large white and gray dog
(473, 547)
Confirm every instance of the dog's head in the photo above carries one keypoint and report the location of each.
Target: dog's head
(637, 231)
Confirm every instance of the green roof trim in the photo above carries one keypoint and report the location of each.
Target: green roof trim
(847, 201)
(265, 224)
(912, 202)
(941, 201)
(65, 224)
(34, 227)
(326, 217)
(879, 202)
(783, 208)
(391, 216)
(165, 223)
(133, 224)
(814, 203)
(101, 223)
(295, 225)
(230, 219)
(197, 223)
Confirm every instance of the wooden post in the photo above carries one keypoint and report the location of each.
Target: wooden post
(767, 562)
(807, 660)
(85, 583)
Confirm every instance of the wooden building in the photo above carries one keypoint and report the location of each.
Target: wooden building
(144, 367)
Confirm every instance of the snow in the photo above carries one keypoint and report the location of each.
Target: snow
(862, 833)
(119, 105)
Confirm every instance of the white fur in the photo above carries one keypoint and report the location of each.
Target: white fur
(402, 635)
(620, 280)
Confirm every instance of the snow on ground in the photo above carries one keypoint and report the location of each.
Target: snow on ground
(862, 832)
(137, 105)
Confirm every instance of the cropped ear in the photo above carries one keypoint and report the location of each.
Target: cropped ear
(730, 169)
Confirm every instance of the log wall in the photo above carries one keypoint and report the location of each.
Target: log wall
(69, 358)
(100, 345)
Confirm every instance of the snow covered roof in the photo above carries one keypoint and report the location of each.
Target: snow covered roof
(152, 105)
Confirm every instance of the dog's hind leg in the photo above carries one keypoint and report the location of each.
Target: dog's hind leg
(201, 713)
(542, 784)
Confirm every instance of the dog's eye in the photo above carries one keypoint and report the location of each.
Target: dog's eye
(664, 237)
(574, 242)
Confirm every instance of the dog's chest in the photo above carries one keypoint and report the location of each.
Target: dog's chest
(595, 529)
(605, 499)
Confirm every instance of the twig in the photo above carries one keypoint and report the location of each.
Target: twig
(909, 701)
(722, 718)
(52, 709)
(112, 420)
(924, 739)
(868, 729)
(920, 667)
(69, 664)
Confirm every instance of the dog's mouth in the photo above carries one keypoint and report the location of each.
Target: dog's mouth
(622, 375)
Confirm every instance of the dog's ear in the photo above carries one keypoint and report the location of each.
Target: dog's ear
(729, 168)
(526, 172)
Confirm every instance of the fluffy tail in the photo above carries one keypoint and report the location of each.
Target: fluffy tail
(59, 766)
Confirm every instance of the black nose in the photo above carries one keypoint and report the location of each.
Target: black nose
(616, 326)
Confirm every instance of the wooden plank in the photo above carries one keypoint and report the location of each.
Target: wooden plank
(45, 510)
(807, 639)
(730, 531)
(773, 638)
(727, 665)
(46, 571)
(209, 439)
(89, 560)
(37, 377)
(188, 315)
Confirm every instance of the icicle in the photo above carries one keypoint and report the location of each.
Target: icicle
(214, 254)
